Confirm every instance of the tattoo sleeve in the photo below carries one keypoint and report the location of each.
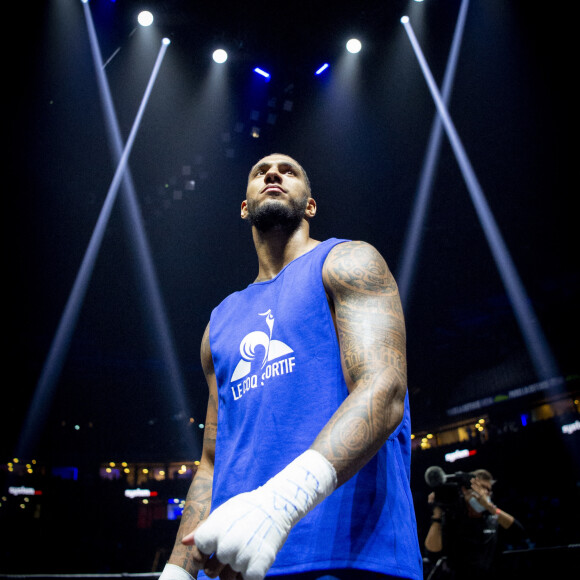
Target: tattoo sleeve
(371, 333)
(198, 500)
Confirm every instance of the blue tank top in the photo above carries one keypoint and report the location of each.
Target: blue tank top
(279, 379)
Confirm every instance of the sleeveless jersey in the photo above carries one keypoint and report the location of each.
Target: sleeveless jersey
(279, 377)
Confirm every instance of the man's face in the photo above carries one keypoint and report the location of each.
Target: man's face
(277, 194)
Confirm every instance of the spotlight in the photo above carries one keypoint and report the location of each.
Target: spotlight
(166, 41)
(145, 18)
(353, 45)
(220, 55)
(263, 73)
(322, 69)
(404, 20)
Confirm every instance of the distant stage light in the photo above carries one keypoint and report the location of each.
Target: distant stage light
(322, 68)
(263, 73)
(166, 41)
(404, 19)
(220, 55)
(353, 45)
(145, 18)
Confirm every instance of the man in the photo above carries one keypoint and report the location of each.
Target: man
(307, 402)
(467, 537)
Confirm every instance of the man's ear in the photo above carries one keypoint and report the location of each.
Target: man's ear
(310, 210)
(244, 209)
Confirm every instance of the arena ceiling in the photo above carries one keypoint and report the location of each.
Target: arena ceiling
(361, 131)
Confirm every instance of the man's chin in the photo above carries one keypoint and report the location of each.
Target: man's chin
(275, 216)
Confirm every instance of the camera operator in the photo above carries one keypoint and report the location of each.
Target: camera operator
(463, 535)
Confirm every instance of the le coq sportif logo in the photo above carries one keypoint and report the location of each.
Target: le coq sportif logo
(259, 348)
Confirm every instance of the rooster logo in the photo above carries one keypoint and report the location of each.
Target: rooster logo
(273, 349)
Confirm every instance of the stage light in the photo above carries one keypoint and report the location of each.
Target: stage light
(145, 18)
(322, 68)
(263, 73)
(404, 19)
(353, 46)
(166, 41)
(220, 55)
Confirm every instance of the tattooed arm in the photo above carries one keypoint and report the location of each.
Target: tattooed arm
(198, 501)
(370, 326)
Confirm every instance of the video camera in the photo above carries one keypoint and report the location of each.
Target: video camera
(447, 488)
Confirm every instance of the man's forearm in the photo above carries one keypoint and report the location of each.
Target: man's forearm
(197, 507)
(504, 519)
(363, 422)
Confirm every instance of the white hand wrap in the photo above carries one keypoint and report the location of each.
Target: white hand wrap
(248, 530)
(173, 572)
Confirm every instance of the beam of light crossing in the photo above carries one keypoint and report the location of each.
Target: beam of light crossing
(146, 269)
(412, 242)
(59, 347)
(536, 343)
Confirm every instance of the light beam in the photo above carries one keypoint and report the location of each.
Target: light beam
(536, 343)
(412, 242)
(59, 347)
(145, 267)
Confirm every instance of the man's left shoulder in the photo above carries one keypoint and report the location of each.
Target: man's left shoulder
(356, 266)
(354, 253)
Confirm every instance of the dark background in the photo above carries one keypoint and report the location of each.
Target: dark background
(361, 136)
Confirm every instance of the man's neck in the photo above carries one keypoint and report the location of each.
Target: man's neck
(277, 247)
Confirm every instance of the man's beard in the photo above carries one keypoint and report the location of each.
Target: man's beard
(277, 215)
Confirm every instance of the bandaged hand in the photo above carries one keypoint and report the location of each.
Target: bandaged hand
(248, 530)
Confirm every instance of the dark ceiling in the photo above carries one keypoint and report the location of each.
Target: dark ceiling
(361, 134)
